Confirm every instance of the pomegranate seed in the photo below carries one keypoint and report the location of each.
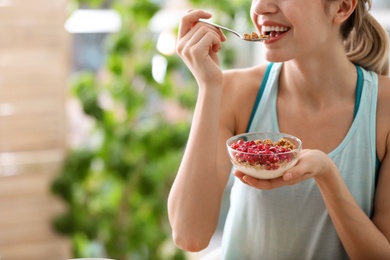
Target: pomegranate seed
(263, 152)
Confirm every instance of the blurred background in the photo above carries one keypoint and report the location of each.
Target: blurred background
(95, 109)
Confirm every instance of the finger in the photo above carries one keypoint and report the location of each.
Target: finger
(201, 32)
(204, 42)
(216, 48)
(240, 176)
(300, 168)
(294, 173)
(262, 184)
(188, 20)
(259, 183)
(265, 184)
(213, 41)
(195, 42)
(218, 30)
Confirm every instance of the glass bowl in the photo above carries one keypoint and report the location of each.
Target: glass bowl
(264, 155)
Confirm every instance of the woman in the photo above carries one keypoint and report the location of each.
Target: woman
(325, 85)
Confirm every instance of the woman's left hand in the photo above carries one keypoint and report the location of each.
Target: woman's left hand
(311, 163)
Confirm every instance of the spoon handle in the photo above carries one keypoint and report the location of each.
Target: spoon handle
(221, 27)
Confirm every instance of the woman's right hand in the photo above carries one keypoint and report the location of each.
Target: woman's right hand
(198, 45)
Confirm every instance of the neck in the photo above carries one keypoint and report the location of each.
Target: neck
(319, 81)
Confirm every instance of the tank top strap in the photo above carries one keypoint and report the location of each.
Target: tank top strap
(260, 94)
(359, 89)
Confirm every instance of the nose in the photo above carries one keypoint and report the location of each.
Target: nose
(261, 7)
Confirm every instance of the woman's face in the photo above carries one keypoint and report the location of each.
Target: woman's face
(297, 27)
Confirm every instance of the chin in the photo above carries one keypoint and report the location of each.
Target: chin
(276, 57)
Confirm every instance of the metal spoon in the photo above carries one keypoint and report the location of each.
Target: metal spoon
(246, 37)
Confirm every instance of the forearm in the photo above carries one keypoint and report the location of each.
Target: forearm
(360, 237)
(195, 198)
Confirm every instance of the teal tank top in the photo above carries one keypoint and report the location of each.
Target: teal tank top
(292, 222)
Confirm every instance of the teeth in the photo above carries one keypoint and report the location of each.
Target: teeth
(274, 29)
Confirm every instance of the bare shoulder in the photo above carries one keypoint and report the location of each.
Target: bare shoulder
(383, 116)
(384, 92)
(384, 82)
(240, 90)
(245, 74)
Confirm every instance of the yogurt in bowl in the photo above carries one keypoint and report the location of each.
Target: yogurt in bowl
(264, 155)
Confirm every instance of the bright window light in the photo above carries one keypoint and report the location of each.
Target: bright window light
(94, 21)
(166, 43)
(159, 68)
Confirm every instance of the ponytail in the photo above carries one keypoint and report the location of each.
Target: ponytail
(365, 40)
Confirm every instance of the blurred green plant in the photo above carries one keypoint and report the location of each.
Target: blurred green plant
(115, 187)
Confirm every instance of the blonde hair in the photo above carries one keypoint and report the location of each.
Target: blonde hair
(365, 40)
